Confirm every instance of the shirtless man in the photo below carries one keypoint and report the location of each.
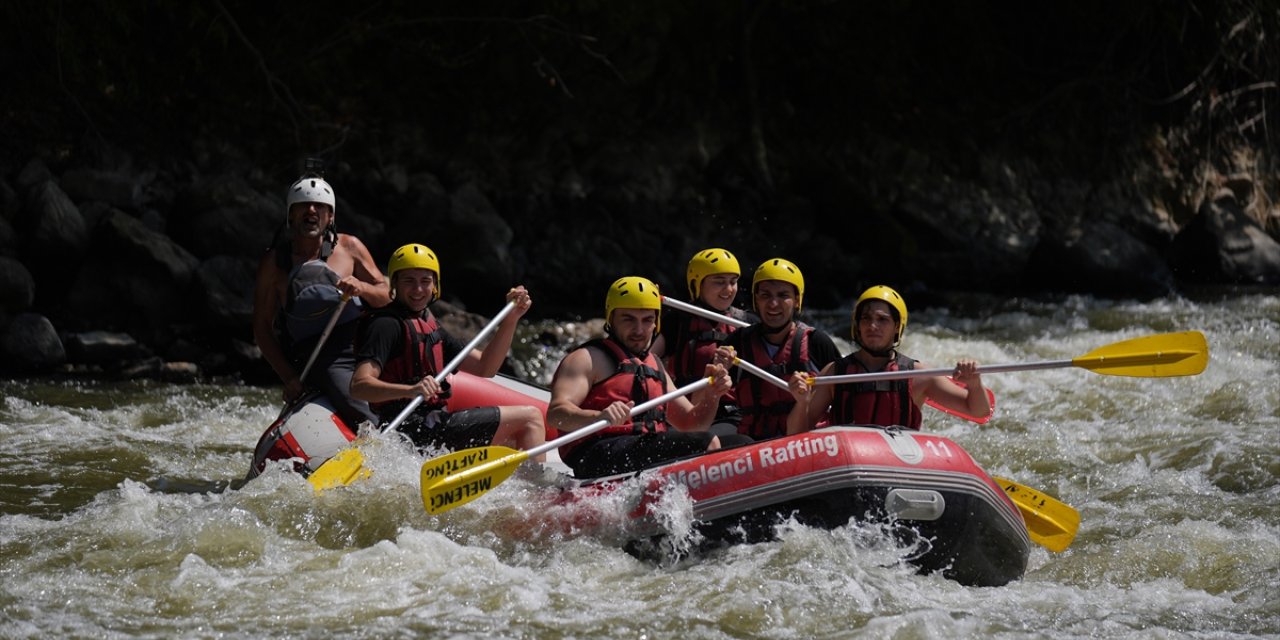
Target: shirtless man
(301, 280)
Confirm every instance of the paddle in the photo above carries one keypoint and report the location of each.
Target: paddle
(348, 465)
(265, 444)
(1051, 523)
(704, 312)
(1158, 356)
(345, 467)
(453, 364)
(782, 384)
(324, 335)
(458, 478)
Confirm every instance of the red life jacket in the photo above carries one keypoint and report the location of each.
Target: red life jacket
(634, 379)
(696, 339)
(765, 407)
(421, 355)
(883, 402)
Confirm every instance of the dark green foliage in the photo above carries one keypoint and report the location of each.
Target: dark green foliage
(802, 80)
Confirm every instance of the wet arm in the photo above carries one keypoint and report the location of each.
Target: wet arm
(976, 398)
(366, 385)
(488, 362)
(968, 400)
(266, 304)
(570, 387)
(812, 402)
(373, 289)
(696, 411)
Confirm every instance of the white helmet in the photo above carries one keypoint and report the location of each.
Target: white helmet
(310, 189)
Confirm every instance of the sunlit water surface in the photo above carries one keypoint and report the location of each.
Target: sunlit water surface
(1177, 480)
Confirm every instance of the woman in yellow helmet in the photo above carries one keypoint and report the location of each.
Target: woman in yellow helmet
(779, 344)
(605, 378)
(688, 342)
(401, 348)
(878, 322)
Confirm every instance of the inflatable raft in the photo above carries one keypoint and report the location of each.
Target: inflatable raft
(929, 492)
(934, 498)
(309, 432)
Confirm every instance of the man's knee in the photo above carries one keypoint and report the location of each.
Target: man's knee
(527, 416)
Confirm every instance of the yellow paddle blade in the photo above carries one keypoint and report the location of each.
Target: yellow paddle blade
(440, 494)
(1163, 355)
(1051, 523)
(340, 470)
(438, 468)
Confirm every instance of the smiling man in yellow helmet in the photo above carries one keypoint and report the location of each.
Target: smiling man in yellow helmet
(603, 379)
(401, 348)
(878, 321)
(779, 344)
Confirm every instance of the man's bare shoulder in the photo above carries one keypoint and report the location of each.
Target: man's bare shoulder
(350, 243)
(586, 361)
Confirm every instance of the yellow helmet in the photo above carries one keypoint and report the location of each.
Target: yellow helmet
(414, 256)
(633, 292)
(779, 269)
(709, 262)
(883, 294)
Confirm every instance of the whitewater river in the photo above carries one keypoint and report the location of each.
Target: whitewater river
(1177, 481)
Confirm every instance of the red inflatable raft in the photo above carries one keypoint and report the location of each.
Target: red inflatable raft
(940, 503)
(936, 499)
(933, 496)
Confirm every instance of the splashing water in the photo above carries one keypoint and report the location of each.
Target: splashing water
(1177, 481)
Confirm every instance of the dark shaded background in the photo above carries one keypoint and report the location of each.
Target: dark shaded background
(563, 144)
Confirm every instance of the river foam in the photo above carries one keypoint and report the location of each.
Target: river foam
(1177, 481)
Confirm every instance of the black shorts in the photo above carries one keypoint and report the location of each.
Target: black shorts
(455, 431)
(628, 453)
